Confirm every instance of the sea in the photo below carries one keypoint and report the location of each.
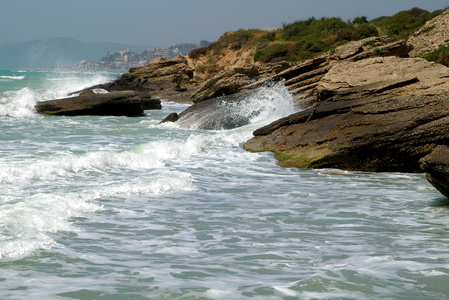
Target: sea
(103, 207)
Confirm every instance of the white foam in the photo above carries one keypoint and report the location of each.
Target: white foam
(65, 84)
(25, 224)
(258, 108)
(100, 91)
(13, 77)
(145, 156)
(272, 102)
(286, 291)
(163, 183)
(19, 103)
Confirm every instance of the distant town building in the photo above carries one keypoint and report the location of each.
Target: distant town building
(123, 59)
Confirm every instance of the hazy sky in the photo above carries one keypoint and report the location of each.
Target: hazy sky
(165, 22)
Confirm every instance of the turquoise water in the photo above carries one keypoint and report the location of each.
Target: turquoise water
(125, 208)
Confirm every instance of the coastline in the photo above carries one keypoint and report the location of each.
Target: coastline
(366, 106)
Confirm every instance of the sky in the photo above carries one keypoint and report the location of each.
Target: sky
(166, 22)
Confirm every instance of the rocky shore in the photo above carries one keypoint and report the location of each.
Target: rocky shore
(371, 105)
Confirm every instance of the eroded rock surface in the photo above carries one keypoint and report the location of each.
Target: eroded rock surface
(431, 36)
(436, 166)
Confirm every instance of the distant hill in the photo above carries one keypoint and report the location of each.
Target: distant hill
(55, 52)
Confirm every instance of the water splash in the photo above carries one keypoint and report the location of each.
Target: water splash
(27, 90)
(62, 84)
(259, 107)
(19, 103)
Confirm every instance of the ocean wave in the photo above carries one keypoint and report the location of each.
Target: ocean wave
(256, 108)
(12, 77)
(19, 103)
(25, 225)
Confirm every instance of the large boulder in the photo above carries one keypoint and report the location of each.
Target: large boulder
(436, 166)
(121, 103)
(381, 113)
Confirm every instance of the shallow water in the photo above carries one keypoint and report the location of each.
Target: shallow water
(125, 208)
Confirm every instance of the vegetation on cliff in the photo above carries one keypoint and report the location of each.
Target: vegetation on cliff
(308, 38)
(404, 23)
(441, 55)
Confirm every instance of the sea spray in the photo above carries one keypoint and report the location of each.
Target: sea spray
(258, 107)
(61, 85)
(19, 103)
(20, 93)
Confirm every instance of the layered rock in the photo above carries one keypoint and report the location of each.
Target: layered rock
(120, 103)
(431, 36)
(162, 77)
(379, 114)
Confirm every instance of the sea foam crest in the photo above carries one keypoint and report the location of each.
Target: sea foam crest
(25, 224)
(19, 103)
(9, 78)
(150, 155)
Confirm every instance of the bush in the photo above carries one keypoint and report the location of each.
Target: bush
(272, 52)
(195, 53)
(441, 56)
(403, 23)
(360, 20)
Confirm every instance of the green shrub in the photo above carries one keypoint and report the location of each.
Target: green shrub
(307, 38)
(378, 52)
(441, 55)
(269, 36)
(360, 20)
(274, 51)
(195, 53)
(404, 23)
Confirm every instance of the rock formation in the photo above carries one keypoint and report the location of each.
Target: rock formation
(122, 103)
(431, 36)
(380, 114)
(436, 166)
(366, 106)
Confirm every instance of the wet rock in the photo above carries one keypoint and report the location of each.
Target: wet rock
(122, 103)
(173, 117)
(218, 113)
(376, 114)
(436, 166)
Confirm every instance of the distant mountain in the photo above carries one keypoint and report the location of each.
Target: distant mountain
(55, 52)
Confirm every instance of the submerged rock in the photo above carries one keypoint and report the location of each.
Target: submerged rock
(173, 117)
(436, 166)
(122, 103)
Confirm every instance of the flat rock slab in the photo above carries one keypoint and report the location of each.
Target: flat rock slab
(120, 103)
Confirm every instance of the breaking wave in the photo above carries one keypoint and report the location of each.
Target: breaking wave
(261, 106)
(8, 78)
